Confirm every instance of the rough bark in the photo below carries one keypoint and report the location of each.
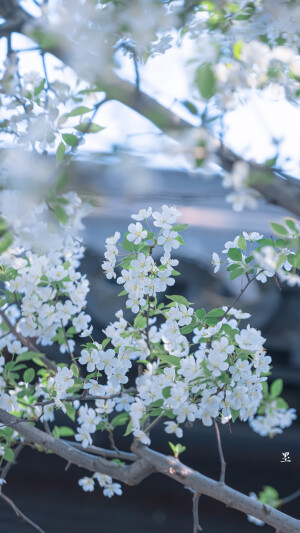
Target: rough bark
(148, 462)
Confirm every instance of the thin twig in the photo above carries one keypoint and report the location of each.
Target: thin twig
(196, 525)
(47, 427)
(242, 292)
(95, 450)
(131, 49)
(26, 342)
(223, 463)
(46, 77)
(19, 513)
(112, 441)
(68, 346)
(82, 397)
(8, 466)
(291, 497)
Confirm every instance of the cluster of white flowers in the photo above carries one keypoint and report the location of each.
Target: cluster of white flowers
(266, 260)
(105, 482)
(242, 195)
(220, 372)
(273, 421)
(144, 278)
(49, 291)
(208, 383)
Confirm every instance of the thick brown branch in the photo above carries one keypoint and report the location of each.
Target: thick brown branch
(174, 469)
(148, 462)
(285, 193)
(129, 474)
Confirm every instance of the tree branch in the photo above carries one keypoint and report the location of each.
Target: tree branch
(130, 474)
(95, 450)
(27, 342)
(220, 450)
(196, 527)
(19, 513)
(149, 462)
(181, 473)
(278, 191)
(290, 498)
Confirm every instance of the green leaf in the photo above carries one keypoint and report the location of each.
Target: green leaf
(31, 356)
(178, 299)
(105, 342)
(237, 49)
(61, 181)
(271, 162)
(75, 370)
(6, 241)
(279, 229)
(216, 312)
(179, 227)
(70, 139)
(45, 39)
(205, 81)
(122, 293)
(166, 392)
(29, 375)
(7, 432)
(128, 246)
(55, 432)
(140, 322)
(232, 267)
(65, 431)
(234, 414)
(177, 449)
(61, 215)
(70, 411)
(211, 321)
(276, 388)
(265, 389)
(180, 239)
(235, 254)
(281, 404)
(291, 224)
(120, 419)
(39, 88)
(200, 314)
(170, 359)
(60, 152)
(236, 273)
(89, 127)
(80, 110)
(3, 225)
(9, 455)
(192, 109)
(242, 243)
(265, 242)
(185, 330)
(157, 403)
(129, 428)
